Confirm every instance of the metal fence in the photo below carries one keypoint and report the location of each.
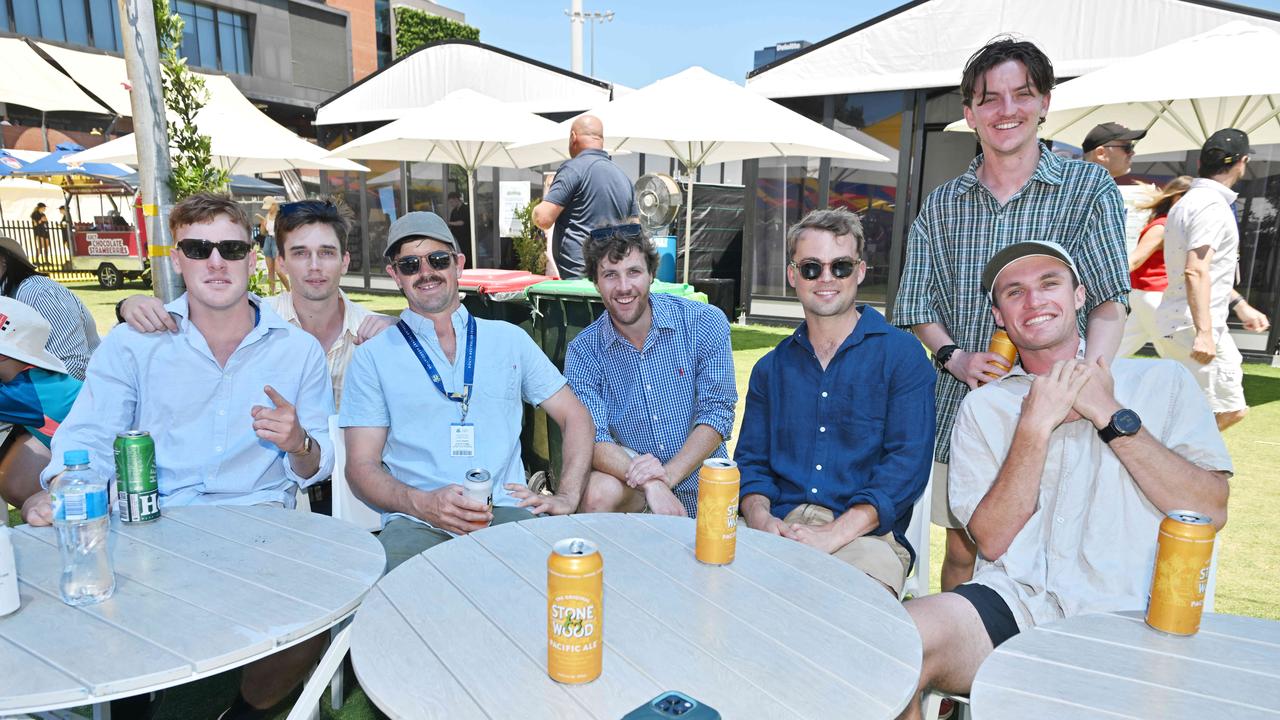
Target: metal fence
(51, 256)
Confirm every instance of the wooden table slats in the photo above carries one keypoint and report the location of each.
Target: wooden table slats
(1113, 665)
(202, 589)
(740, 638)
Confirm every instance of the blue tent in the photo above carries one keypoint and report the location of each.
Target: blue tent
(10, 164)
(51, 165)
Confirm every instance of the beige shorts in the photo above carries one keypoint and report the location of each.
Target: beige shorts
(939, 504)
(1222, 380)
(880, 556)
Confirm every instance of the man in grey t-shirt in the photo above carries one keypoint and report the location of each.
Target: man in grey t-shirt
(589, 191)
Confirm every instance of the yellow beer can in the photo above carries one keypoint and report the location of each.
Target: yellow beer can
(1181, 573)
(575, 611)
(717, 533)
(1001, 345)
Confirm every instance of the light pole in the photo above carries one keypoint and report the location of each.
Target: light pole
(578, 16)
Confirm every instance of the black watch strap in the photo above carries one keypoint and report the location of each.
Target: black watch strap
(1124, 423)
(944, 354)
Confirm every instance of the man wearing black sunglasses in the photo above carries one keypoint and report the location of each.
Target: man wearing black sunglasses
(1111, 145)
(656, 372)
(237, 401)
(837, 437)
(440, 395)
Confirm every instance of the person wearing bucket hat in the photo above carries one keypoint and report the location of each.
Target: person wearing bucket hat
(1061, 462)
(443, 394)
(1202, 255)
(74, 333)
(36, 393)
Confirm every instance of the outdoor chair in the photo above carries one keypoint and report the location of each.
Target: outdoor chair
(346, 506)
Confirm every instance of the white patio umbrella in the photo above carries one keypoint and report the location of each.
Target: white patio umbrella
(243, 139)
(464, 128)
(699, 118)
(1180, 94)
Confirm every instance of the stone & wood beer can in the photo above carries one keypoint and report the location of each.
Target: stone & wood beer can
(575, 611)
(136, 484)
(1181, 573)
(717, 528)
(1001, 345)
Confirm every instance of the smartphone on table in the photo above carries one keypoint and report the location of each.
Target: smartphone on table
(673, 704)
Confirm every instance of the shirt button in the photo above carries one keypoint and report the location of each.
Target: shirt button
(1058, 520)
(819, 467)
(648, 387)
(219, 449)
(822, 429)
(222, 412)
(655, 418)
(824, 393)
(662, 447)
(813, 490)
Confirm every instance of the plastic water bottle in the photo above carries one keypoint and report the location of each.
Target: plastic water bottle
(82, 517)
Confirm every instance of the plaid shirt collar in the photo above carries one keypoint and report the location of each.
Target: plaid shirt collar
(662, 320)
(1048, 171)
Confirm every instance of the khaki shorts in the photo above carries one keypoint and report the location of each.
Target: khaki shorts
(1222, 380)
(939, 504)
(881, 557)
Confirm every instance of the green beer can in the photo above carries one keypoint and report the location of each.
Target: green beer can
(136, 477)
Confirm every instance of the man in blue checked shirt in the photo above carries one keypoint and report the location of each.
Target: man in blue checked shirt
(837, 438)
(656, 372)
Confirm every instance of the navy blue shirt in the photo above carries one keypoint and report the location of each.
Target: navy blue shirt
(859, 432)
(594, 193)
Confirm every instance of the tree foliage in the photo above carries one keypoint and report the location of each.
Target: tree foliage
(193, 169)
(415, 28)
(531, 244)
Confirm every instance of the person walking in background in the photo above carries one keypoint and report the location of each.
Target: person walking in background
(40, 226)
(589, 191)
(1202, 256)
(1111, 145)
(1147, 270)
(75, 334)
(1014, 190)
(270, 251)
(67, 227)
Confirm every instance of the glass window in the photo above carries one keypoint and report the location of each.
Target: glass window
(51, 20)
(227, 43)
(207, 32)
(26, 21)
(102, 18)
(77, 24)
(786, 189)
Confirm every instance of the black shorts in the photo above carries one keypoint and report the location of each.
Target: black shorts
(996, 616)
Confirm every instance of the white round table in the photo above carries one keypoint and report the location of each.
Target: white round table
(784, 631)
(1112, 665)
(201, 590)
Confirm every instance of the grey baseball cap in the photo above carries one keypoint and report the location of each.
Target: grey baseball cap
(419, 224)
(1017, 251)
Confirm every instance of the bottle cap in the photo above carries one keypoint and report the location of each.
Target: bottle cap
(75, 457)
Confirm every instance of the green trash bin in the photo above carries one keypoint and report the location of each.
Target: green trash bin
(561, 310)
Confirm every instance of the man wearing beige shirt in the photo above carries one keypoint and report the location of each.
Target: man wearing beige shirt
(312, 236)
(1061, 472)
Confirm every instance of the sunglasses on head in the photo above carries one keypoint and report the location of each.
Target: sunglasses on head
(321, 208)
(412, 264)
(622, 231)
(812, 269)
(197, 249)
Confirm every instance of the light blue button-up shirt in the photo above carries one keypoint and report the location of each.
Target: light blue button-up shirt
(198, 412)
(387, 387)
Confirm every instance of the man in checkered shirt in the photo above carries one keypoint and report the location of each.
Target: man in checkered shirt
(1014, 190)
(656, 372)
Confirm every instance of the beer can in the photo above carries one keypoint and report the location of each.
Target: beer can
(1001, 345)
(717, 529)
(575, 611)
(478, 485)
(136, 484)
(1181, 573)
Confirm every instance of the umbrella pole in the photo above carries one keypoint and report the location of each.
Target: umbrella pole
(471, 210)
(688, 226)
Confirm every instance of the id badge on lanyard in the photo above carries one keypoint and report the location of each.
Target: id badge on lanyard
(462, 434)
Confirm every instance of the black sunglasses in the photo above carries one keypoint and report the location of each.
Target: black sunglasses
(622, 231)
(196, 249)
(812, 269)
(321, 208)
(1126, 147)
(411, 264)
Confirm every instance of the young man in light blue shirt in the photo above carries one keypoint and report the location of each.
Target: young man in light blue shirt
(441, 394)
(237, 401)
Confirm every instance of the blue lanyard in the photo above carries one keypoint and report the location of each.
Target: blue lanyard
(469, 364)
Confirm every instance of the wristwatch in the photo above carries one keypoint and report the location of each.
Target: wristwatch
(943, 355)
(306, 445)
(1125, 423)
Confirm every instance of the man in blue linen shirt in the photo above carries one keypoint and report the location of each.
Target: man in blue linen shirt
(837, 435)
(416, 420)
(237, 401)
(656, 372)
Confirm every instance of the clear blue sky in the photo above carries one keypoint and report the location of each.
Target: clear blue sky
(650, 39)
